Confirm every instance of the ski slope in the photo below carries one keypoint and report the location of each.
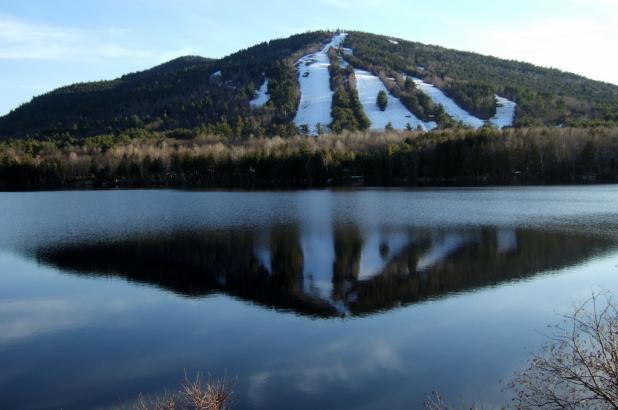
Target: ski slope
(316, 98)
(261, 96)
(368, 86)
(452, 109)
(505, 113)
(315, 93)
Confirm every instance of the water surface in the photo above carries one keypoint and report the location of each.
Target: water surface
(314, 299)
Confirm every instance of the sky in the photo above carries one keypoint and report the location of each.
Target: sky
(46, 44)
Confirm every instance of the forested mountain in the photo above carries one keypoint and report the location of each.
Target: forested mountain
(215, 96)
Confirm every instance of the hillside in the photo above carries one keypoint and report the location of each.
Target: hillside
(318, 82)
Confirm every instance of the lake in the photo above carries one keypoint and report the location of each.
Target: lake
(334, 299)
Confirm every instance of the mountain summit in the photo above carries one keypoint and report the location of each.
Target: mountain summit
(320, 82)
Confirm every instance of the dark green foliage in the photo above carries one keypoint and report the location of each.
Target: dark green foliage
(409, 84)
(478, 98)
(382, 100)
(347, 110)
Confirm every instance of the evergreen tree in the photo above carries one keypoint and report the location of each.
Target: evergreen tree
(382, 100)
(409, 84)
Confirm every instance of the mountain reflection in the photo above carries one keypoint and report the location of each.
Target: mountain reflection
(336, 272)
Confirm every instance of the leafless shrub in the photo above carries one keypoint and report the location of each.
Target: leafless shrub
(166, 402)
(214, 395)
(194, 394)
(578, 367)
(435, 401)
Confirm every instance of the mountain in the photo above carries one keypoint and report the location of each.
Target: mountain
(315, 82)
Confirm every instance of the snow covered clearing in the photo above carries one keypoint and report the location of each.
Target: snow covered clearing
(393, 41)
(261, 96)
(505, 113)
(315, 93)
(450, 106)
(216, 74)
(368, 86)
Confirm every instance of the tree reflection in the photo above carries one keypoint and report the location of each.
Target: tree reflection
(348, 271)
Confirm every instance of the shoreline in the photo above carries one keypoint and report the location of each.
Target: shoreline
(290, 188)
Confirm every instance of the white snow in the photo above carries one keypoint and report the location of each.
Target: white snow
(393, 41)
(261, 251)
(347, 51)
(440, 249)
(318, 260)
(507, 240)
(261, 96)
(216, 74)
(372, 261)
(368, 86)
(315, 93)
(450, 106)
(505, 113)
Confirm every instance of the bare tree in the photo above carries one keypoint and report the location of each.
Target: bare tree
(578, 367)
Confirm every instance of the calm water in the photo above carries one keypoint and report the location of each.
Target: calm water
(316, 299)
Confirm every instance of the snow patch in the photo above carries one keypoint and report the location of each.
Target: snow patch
(450, 106)
(505, 113)
(315, 93)
(393, 41)
(373, 261)
(318, 260)
(368, 87)
(441, 249)
(216, 74)
(507, 240)
(261, 96)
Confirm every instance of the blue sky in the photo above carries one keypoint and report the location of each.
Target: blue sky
(45, 44)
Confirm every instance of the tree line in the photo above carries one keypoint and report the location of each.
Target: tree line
(410, 158)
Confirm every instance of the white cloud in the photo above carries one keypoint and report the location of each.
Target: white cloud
(257, 384)
(24, 319)
(23, 40)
